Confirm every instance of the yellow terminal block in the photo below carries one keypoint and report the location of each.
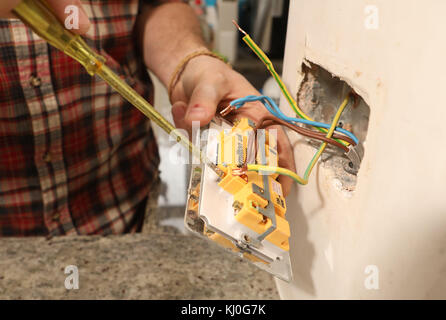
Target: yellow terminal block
(270, 150)
(248, 203)
(239, 210)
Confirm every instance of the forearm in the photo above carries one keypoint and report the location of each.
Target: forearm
(168, 33)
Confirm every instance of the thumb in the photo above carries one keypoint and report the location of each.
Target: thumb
(178, 112)
(63, 9)
(202, 104)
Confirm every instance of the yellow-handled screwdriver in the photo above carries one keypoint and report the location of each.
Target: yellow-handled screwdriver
(37, 15)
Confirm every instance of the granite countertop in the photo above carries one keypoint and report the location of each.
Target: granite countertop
(154, 265)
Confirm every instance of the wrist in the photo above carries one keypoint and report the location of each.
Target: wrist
(198, 60)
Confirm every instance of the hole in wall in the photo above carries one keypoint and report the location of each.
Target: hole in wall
(320, 95)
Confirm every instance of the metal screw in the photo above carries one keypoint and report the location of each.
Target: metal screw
(237, 206)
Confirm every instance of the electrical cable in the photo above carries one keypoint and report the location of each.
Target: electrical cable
(293, 175)
(307, 132)
(269, 65)
(329, 134)
(270, 120)
(272, 107)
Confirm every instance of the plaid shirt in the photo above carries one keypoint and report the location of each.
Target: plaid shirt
(75, 158)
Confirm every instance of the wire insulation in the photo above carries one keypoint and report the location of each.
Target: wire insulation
(293, 175)
(271, 120)
(269, 65)
(272, 107)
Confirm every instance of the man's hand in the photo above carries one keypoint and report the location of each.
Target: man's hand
(208, 83)
(57, 6)
(170, 32)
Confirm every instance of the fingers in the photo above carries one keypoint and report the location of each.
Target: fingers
(204, 84)
(202, 104)
(286, 182)
(252, 110)
(178, 112)
(202, 91)
(286, 158)
(71, 9)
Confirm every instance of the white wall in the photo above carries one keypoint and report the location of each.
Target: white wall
(396, 218)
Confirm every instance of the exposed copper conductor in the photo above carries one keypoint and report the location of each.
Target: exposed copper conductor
(227, 110)
(238, 27)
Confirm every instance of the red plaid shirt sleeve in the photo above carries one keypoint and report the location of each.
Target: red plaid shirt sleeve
(75, 158)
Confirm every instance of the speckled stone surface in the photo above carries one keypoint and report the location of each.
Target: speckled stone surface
(160, 263)
(142, 266)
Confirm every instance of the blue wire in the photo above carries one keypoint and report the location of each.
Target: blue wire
(268, 103)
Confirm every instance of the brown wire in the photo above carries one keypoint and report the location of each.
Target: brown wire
(340, 137)
(305, 132)
(335, 135)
